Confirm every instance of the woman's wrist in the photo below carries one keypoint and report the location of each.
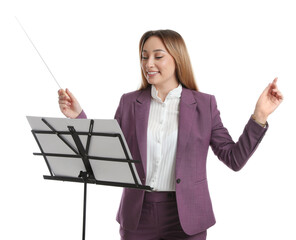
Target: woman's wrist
(261, 120)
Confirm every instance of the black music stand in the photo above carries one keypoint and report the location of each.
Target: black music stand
(68, 156)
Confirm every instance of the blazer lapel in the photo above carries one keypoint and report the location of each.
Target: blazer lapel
(142, 108)
(186, 114)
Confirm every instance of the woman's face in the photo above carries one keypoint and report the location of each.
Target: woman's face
(157, 64)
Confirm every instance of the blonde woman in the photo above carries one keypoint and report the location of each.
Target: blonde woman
(169, 126)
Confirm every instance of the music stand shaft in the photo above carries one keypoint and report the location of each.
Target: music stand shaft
(84, 211)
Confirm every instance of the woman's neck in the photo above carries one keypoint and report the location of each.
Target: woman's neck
(163, 90)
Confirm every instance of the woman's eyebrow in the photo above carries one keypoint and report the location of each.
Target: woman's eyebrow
(156, 50)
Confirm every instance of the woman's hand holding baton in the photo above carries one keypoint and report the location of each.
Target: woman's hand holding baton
(69, 105)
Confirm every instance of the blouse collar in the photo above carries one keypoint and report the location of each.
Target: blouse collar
(175, 93)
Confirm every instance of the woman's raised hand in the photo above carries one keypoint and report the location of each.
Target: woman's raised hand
(69, 105)
(268, 101)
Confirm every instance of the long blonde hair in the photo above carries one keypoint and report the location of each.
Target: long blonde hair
(176, 47)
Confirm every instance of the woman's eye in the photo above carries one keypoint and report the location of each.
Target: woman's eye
(145, 58)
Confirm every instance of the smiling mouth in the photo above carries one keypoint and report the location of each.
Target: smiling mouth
(151, 74)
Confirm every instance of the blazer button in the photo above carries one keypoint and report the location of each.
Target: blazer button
(178, 180)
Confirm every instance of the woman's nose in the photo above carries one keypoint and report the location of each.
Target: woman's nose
(149, 63)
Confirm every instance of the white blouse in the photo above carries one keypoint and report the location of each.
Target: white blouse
(162, 137)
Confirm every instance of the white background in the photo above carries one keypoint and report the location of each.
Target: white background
(236, 48)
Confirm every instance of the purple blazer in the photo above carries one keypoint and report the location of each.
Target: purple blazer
(200, 126)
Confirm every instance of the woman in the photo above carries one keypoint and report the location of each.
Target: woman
(169, 126)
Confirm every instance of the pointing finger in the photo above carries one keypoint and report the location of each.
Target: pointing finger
(274, 81)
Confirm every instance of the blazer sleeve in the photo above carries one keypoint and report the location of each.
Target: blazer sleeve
(118, 113)
(81, 115)
(234, 155)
